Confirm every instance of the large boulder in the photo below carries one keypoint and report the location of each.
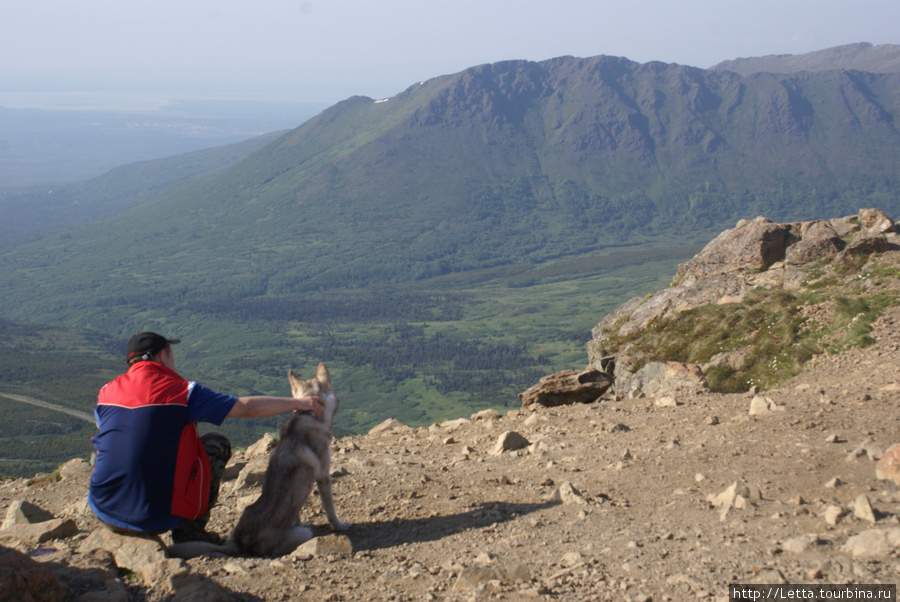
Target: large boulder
(660, 378)
(751, 246)
(567, 387)
(818, 240)
(23, 578)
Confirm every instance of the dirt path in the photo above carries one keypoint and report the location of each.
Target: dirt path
(49, 406)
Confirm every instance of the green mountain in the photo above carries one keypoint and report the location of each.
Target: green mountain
(515, 162)
(451, 244)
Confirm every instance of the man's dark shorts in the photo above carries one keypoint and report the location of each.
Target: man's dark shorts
(218, 448)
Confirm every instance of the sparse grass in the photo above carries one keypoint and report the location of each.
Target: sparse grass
(853, 318)
(881, 270)
(768, 329)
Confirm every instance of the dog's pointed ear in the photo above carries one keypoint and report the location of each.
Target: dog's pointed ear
(322, 374)
(292, 377)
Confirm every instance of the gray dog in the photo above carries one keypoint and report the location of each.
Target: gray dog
(270, 526)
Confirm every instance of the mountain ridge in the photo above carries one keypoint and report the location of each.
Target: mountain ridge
(862, 56)
(431, 176)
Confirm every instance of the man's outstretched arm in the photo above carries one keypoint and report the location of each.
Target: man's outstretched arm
(262, 406)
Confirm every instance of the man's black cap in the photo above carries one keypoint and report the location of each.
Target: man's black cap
(147, 344)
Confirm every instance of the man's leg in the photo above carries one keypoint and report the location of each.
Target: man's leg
(218, 448)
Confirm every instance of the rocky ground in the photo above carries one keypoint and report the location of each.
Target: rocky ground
(437, 514)
(632, 499)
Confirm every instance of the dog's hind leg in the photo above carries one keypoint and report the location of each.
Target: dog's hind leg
(327, 496)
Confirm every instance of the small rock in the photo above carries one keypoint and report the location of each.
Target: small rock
(862, 508)
(738, 495)
(262, 447)
(538, 447)
(769, 577)
(251, 474)
(22, 512)
(832, 483)
(873, 543)
(509, 441)
(489, 414)
(131, 552)
(799, 544)
(493, 569)
(30, 535)
(164, 573)
(567, 494)
(760, 405)
(533, 419)
(74, 468)
(339, 545)
(233, 568)
(888, 468)
(833, 514)
(450, 425)
(862, 449)
(666, 402)
(391, 424)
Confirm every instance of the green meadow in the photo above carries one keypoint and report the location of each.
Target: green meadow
(422, 353)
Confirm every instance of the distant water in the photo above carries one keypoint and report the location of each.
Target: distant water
(82, 100)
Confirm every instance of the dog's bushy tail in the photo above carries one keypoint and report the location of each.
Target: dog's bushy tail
(192, 549)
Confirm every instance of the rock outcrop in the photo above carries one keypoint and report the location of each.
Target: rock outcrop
(755, 254)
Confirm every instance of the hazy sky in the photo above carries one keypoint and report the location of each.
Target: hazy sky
(327, 50)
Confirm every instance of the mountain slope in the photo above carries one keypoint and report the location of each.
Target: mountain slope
(31, 213)
(514, 162)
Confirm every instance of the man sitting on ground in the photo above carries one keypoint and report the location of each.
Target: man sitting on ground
(153, 471)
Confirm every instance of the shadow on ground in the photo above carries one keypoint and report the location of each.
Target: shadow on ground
(376, 535)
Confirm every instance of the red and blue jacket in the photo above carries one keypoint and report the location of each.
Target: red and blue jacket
(151, 470)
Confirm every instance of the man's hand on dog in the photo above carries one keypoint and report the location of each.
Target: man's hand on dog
(311, 403)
